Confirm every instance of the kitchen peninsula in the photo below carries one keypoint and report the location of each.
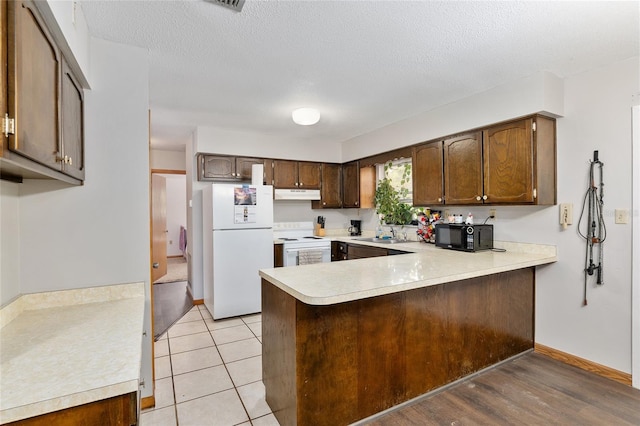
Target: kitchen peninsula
(346, 340)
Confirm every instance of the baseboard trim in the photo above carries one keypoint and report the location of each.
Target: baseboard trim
(198, 301)
(147, 402)
(584, 364)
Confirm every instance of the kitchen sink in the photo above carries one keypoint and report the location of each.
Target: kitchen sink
(380, 240)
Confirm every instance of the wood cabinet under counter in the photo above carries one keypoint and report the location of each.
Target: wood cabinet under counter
(366, 335)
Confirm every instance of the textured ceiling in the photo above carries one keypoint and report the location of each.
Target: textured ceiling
(364, 64)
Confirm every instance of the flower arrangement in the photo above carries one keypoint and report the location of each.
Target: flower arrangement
(426, 225)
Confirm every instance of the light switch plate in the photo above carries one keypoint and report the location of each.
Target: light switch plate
(566, 214)
(622, 216)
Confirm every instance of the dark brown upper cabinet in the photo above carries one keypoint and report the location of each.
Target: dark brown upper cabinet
(520, 162)
(268, 171)
(296, 174)
(463, 169)
(43, 103)
(427, 176)
(508, 163)
(351, 185)
(226, 168)
(331, 187)
(72, 124)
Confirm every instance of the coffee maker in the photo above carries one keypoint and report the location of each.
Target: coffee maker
(355, 228)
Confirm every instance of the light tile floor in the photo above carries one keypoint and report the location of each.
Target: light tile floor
(209, 373)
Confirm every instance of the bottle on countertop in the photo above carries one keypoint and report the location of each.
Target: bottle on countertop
(469, 220)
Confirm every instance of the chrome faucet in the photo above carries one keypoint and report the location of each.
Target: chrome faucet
(393, 232)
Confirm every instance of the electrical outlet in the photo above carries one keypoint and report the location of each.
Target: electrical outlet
(622, 216)
(566, 214)
(492, 213)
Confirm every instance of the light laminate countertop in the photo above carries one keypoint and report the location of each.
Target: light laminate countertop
(67, 348)
(425, 265)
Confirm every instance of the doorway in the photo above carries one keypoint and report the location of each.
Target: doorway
(171, 297)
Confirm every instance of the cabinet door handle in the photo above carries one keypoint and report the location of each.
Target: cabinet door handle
(324, 203)
(356, 203)
(484, 197)
(66, 159)
(296, 184)
(439, 200)
(478, 198)
(301, 184)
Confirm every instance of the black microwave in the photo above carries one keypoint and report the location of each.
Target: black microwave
(459, 236)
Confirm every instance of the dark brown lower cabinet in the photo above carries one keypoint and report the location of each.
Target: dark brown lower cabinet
(339, 250)
(358, 251)
(278, 255)
(117, 411)
(336, 364)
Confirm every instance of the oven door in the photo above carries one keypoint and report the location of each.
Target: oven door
(306, 255)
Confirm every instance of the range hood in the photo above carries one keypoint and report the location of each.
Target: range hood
(296, 194)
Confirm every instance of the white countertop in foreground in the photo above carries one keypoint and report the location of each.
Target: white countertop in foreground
(67, 348)
(426, 265)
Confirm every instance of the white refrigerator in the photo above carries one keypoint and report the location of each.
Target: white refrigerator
(237, 242)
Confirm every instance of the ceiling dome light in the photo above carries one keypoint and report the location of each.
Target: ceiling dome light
(305, 116)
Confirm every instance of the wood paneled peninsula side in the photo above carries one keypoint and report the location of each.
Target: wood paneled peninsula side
(343, 341)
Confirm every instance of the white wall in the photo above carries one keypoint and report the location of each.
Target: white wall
(194, 222)
(236, 142)
(541, 92)
(176, 210)
(597, 116)
(300, 211)
(168, 160)
(635, 251)
(9, 242)
(176, 194)
(71, 20)
(98, 233)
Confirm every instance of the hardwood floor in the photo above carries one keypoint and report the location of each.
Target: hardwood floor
(170, 302)
(530, 390)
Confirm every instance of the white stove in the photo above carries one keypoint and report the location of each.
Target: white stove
(300, 246)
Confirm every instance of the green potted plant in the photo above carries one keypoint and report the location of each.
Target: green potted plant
(388, 200)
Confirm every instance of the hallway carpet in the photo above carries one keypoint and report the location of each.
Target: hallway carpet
(176, 271)
(170, 302)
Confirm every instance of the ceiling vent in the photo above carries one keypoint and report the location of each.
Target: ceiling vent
(235, 5)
